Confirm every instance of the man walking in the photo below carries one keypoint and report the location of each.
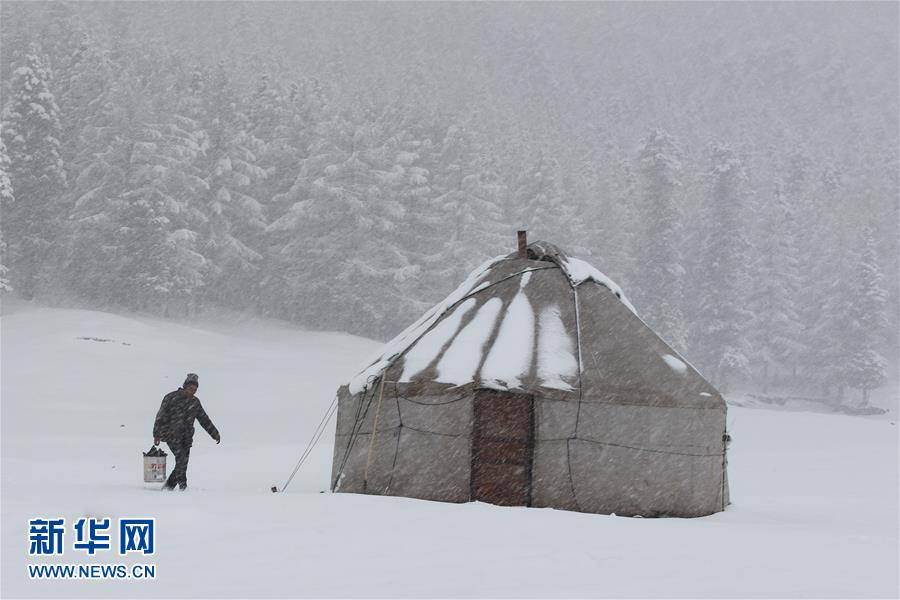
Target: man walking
(175, 425)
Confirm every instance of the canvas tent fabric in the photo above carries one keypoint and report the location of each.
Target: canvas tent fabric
(542, 362)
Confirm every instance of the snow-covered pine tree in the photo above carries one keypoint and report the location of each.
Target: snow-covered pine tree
(162, 268)
(304, 106)
(31, 130)
(575, 228)
(138, 197)
(102, 172)
(608, 189)
(234, 220)
(586, 195)
(83, 72)
(266, 109)
(539, 200)
(334, 264)
(775, 330)
(865, 367)
(6, 189)
(272, 112)
(404, 145)
(6, 201)
(86, 81)
(828, 284)
(98, 103)
(495, 191)
(406, 164)
(301, 107)
(622, 240)
(810, 233)
(466, 190)
(658, 293)
(422, 146)
(834, 329)
(723, 313)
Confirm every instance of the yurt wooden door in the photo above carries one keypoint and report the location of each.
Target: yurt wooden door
(502, 448)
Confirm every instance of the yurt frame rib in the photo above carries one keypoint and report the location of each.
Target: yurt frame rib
(580, 393)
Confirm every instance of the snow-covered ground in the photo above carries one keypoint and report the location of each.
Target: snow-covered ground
(815, 510)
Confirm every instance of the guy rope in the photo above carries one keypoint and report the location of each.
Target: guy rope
(320, 430)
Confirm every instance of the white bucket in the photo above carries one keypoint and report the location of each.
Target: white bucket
(154, 469)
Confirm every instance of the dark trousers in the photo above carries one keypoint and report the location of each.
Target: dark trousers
(178, 476)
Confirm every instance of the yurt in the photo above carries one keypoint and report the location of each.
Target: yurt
(534, 383)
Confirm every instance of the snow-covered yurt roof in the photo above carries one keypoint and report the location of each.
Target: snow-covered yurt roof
(547, 324)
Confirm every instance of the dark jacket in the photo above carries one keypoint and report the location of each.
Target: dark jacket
(175, 419)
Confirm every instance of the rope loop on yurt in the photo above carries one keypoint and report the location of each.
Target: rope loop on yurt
(374, 432)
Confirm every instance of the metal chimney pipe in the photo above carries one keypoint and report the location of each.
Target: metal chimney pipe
(523, 243)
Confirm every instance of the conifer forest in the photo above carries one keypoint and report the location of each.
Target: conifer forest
(733, 167)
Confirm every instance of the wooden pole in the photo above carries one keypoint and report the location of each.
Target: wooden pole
(374, 432)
